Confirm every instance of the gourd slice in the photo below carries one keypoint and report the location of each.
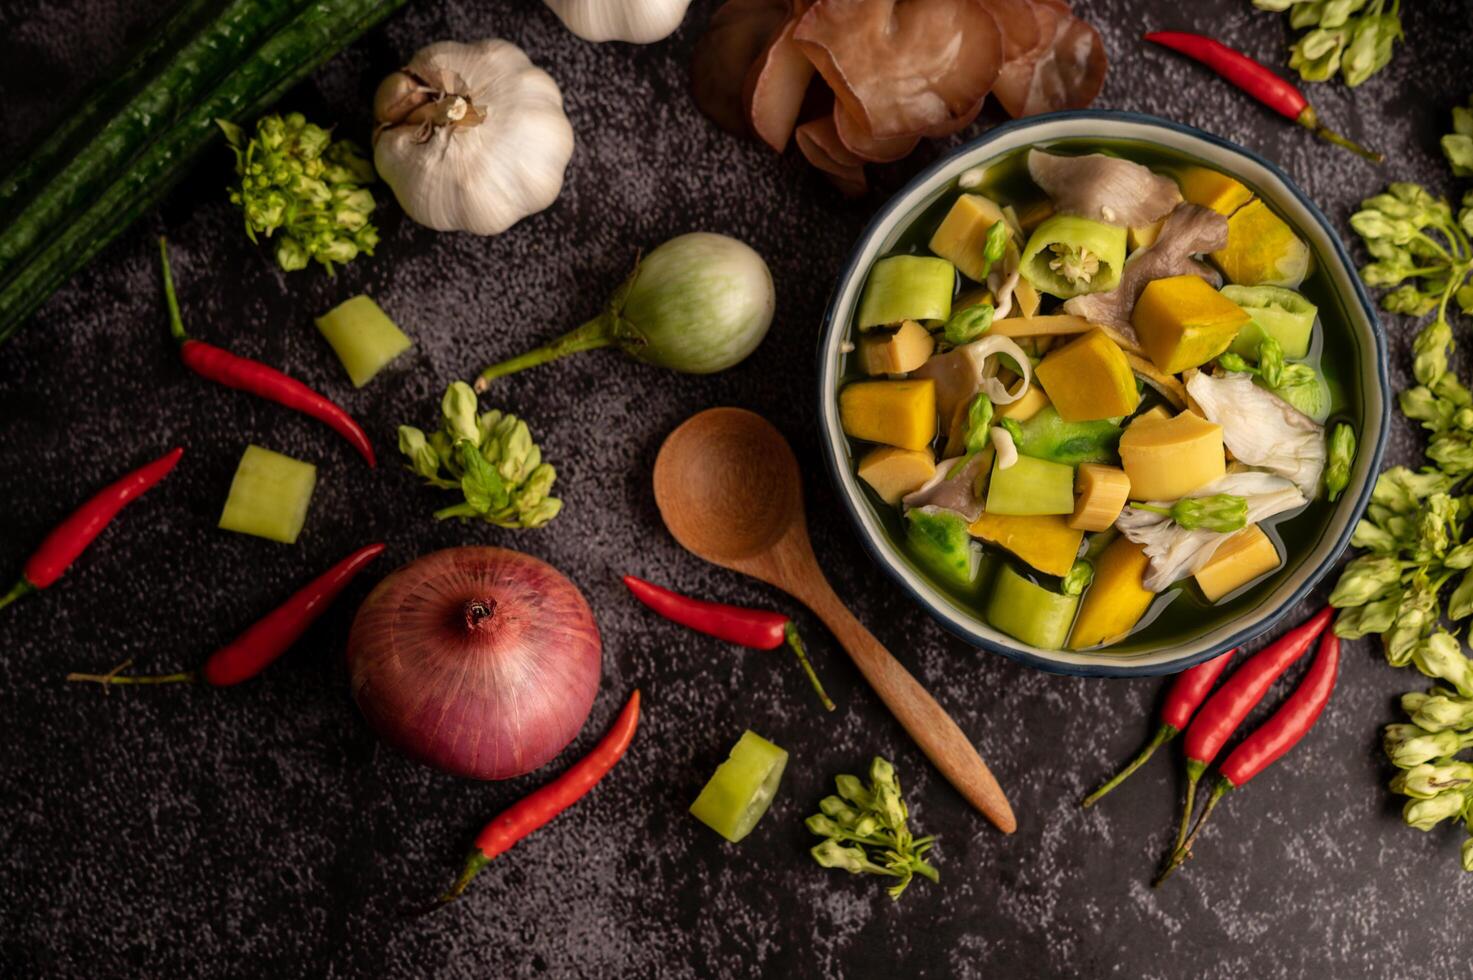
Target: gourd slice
(1029, 612)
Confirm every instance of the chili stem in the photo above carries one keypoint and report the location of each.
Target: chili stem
(1194, 774)
(1163, 735)
(176, 320)
(1184, 849)
(116, 676)
(21, 588)
(796, 642)
(473, 866)
(601, 331)
(1310, 120)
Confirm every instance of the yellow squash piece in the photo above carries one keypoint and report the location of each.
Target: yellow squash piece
(1032, 402)
(1262, 250)
(1168, 459)
(894, 472)
(962, 234)
(898, 351)
(1100, 493)
(1213, 189)
(1238, 560)
(1143, 236)
(1089, 378)
(1046, 542)
(897, 413)
(1183, 322)
(1116, 599)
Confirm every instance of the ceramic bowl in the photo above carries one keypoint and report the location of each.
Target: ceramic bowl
(1368, 381)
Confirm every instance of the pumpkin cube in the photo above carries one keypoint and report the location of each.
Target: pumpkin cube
(1116, 599)
(1238, 560)
(1213, 189)
(894, 472)
(1182, 322)
(1100, 495)
(1046, 542)
(897, 351)
(962, 234)
(1262, 250)
(1143, 236)
(1089, 378)
(1168, 459)
(897, 413)
(1023, 409)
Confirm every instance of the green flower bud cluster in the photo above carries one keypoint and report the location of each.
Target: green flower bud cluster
(1457, 146)
(1351, 37)
(1298, 384)
(304, 190)
(1223, 513)
(1438, 786)
(865, 830)
(489, 457)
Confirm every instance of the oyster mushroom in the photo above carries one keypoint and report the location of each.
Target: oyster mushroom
(957, 494)
(1189, 230)
(1101, 188)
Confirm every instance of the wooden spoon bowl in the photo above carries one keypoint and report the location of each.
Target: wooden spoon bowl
(728, 487)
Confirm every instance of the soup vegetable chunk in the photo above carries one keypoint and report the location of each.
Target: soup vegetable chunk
(1092, 394)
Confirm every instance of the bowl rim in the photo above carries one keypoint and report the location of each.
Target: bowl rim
(832, 332)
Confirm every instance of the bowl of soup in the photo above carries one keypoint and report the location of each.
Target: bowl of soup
(1103, 393)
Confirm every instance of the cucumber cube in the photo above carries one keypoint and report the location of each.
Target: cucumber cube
(363, 337)
(269, 496)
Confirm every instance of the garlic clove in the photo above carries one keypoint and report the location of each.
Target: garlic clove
(635, 21)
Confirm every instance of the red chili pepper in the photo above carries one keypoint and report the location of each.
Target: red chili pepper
(244, 374)
(72, 536)
(265, 640)
(1187, 692)
(760, 629)
(1284, 730)
(1258, 81)
(531, 812)
(1225, 710)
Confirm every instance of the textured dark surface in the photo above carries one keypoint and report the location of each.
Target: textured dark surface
(262, 831)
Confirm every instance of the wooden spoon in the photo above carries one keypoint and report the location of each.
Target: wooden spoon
(727, 486)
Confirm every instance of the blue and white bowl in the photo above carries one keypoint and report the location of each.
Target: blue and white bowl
(1369, 378)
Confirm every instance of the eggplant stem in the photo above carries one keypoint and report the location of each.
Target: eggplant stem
(1163, 735)
(601, 331)
(116, 676)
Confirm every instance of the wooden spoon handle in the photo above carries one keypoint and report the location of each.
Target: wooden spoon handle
(940, 738)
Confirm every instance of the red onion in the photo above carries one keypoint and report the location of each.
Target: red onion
(482, 662)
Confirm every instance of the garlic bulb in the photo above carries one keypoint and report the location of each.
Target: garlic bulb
(471, 137)
(636, 21)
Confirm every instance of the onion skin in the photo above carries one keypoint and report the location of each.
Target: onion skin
(481, 662)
